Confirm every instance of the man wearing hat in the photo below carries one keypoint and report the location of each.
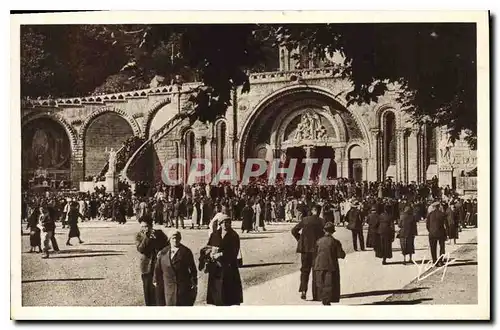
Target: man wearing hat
(149, 242)
(307, 232)
(326, 266)
(355, 225)
(436, 226)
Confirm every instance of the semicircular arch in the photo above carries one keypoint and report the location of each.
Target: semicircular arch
(292, 90)
(70, 130)
(90, 118)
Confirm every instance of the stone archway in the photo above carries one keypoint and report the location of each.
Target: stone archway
(150, 115)
(106, 130)
(48, 146)
(269, 121)
(347, 124)
(89, 119)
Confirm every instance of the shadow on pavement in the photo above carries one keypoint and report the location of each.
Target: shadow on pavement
(402, 302)
(468, 243)
(111, 244)
(87, 251)
(87, 255)
(381, 292)
(266, 264)
(394, 263)
(254, 237)
(65, 280)
(470, 263)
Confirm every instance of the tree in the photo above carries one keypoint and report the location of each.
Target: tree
(435, 65)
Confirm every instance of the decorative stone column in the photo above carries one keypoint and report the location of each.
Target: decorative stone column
(365, 169)
(339, 160)
(309, 151)
(77, 164)
(422, 157)
(376, 157)
(400, 159)
(413, 155)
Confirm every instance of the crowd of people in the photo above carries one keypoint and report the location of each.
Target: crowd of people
(382, 206)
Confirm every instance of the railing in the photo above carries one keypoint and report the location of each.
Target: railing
(276, 76)
(100, 99)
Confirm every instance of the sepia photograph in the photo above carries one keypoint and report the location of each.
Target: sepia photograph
(319, 165)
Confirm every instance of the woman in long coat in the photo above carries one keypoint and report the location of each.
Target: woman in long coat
(175, 274)
(247, 217)
(73, 216)
(407, 233)
(232, 290)
(35, 232)
(214, 269)
(326, 266)
(383, 248)
(373, 221)
(452, 219)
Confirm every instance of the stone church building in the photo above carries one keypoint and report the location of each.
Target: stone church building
(297, 111)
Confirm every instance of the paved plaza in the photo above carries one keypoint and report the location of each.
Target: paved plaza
(104, 271)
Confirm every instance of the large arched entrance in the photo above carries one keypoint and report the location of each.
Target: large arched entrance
(106, 131)
(45, 153)
(302, 122)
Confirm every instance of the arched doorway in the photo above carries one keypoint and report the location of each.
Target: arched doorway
(108, 130)
(276, 119)
(356, 163)
(45, 152)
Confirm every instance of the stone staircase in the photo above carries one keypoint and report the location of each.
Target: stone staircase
(155, 137)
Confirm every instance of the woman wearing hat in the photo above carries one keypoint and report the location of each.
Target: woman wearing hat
(372, 220)
(35, 230)
(326, 266)
(407, 233)
(73, 216)
(210, 260)
(175, 274)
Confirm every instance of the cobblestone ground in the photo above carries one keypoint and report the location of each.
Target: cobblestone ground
(104, 271)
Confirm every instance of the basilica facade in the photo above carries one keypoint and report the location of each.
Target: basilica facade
(289, 113)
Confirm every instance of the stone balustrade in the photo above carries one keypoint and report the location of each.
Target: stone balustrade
(261, 77)
(115, 97)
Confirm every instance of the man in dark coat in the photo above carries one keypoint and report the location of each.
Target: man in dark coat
(355, 225)
(149, 242)
(247, 218)
(326, 266)
(175, 274)
(208, 211)
(307, 232)
(232, 289)
(436, 226)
